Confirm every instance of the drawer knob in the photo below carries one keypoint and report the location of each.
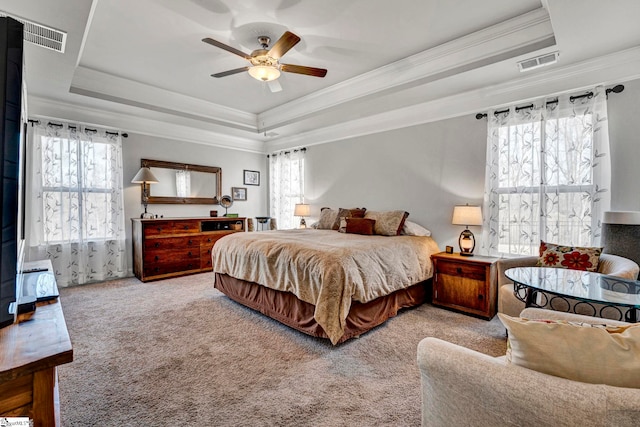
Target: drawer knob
(159, 229)
(186, 227)
(156, 258)
(459, 270)
(157, 245)
(190, 254)
(480, 297)
(191, 242)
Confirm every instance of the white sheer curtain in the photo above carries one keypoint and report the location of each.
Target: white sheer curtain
(548, 174)
(286, 185)
(75, 212)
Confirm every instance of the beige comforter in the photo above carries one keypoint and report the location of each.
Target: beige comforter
(326, 268)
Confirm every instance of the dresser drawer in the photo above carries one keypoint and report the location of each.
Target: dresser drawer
(205, 256)
(173, 266)
(469, 271)
(160, 227)
(172, 255)
(171, 243)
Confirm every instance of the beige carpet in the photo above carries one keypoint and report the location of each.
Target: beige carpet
(178, 352)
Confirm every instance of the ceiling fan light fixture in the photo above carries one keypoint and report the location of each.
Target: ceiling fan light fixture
(264, 73)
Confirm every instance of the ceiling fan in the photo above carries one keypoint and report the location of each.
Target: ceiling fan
(265, 63)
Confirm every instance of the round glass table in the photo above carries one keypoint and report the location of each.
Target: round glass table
(595, 293)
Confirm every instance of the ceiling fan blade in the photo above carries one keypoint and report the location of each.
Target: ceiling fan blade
(274, 86)
(301, 69)
(226, 47)
(284, 43)
(230, 72)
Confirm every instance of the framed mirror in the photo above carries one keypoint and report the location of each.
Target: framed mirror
(183, 183)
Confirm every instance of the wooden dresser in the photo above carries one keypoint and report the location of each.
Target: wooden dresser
(171, 247)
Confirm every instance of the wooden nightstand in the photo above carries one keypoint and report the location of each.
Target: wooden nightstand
(467, 284)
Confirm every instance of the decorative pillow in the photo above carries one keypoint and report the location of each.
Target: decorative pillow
(572, 257)
(360, 226)
(413, 229)
(343, 225)
(327, 219)
(388, 223)
(348, 213)
(596, 354)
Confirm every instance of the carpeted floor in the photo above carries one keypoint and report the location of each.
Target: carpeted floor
(178, 352)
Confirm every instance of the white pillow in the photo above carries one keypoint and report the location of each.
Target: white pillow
(582, 352)
(413, 229)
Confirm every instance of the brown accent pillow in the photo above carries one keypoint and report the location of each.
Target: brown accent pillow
(388, 223)
(361, 226)
(348, 213)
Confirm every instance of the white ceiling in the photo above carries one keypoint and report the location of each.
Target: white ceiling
(141, 65)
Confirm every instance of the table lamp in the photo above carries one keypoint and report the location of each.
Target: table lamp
(302, 210)
(144, 177)
(467, 215)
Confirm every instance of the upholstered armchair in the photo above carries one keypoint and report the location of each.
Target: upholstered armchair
(612, 265)
(462, 387)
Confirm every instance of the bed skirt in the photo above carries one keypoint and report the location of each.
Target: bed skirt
(286, 308)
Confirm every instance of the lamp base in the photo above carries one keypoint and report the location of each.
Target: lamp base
(303, 223)
(146, 215)
(467, 243)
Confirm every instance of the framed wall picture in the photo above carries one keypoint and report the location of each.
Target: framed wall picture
(239, 193)
(251, 177)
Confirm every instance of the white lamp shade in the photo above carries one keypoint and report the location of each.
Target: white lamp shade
(264, 73)
(143, 176)
(467, 215)
(302, 209)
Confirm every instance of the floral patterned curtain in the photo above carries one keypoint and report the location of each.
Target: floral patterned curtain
(286, 186)
(548, 174)
(75, 203)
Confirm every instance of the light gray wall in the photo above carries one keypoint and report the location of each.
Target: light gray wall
(232, 162)
(428, 169)
(624, 138)
(425, 170)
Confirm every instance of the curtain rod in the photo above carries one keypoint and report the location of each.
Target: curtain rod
(37, 122)
(572, 99)
(303, 149)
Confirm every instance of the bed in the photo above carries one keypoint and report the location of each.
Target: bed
(324, 283)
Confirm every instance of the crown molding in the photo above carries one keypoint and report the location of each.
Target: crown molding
(609, 69)
(108, 87)
(512, 37)
(142, 122)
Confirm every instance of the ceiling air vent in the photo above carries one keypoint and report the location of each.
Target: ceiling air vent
(41, 35)
(538, 61)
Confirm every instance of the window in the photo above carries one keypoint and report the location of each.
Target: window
(547, 175)
(286, 178)
(75, 203)
(77, 189)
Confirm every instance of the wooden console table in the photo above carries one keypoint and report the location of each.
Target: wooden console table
(29, 353)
